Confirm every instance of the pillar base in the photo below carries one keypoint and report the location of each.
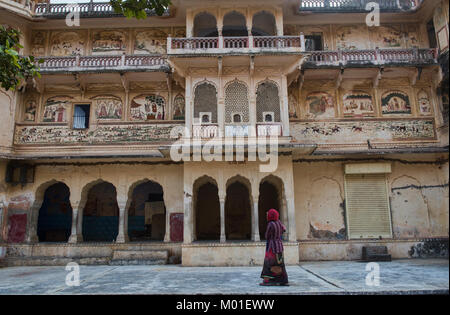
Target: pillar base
(33, 239)
(122, 239)
(75, 238)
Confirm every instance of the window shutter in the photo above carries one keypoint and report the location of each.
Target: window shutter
(367, 205)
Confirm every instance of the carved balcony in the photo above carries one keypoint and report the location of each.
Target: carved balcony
(103, 63)
(357, 6)
(235, 45)
(413, 56)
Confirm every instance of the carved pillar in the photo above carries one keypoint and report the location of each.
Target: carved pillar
(2, 206)
(122, 236)
(222, 220)
(187, 231)
(292, 237)
(284, 217)
(255, 220)
(167, 234)
(32, 222)
(284, 106)
(75, 235)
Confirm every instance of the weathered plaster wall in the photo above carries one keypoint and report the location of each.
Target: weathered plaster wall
(418, 197)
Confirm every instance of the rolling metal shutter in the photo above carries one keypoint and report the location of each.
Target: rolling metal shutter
(367, 205)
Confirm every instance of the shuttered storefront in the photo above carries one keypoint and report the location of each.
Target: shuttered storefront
(367, 203)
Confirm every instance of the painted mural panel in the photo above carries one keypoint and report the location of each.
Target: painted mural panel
(412, 36)
(395, 103)
(108, 107)
(55, 109)
(387, 36)
(351, 37)
(108, 42)
(424, 103)
(67, 44)
(363, 130)
(38, 39)
(148, 107)
(151, 42)
(179, 107)
(320, 105)
(358, 104)
(30, 109)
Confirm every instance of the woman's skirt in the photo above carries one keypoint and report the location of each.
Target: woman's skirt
(274, 271)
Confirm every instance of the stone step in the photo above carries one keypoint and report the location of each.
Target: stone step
(375, 253)
(139, 257)
(53, 261)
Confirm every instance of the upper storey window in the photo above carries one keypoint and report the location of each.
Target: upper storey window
(264, 24)
(205, 25)
(234, 24)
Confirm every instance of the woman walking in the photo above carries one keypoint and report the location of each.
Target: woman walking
(274, 271)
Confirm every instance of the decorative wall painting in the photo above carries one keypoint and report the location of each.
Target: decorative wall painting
(387, 37)
(292, 101)
(320, 105)
(55, 109)
(148, 107)
(67, 44)
(178, 107)
(351, 37)
(108, 107)
(395, 102)
(150, 42)
(357, 104)
(110, 42)
(424, 103)
(30, 110)
(38, 43)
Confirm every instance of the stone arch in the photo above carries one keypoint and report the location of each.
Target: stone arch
(271, 195)
(206, 208)
(267, 100)
(238, 208)
(236, 101)
(264, 24)
(234, 24)
(32, 222)
(205, 100)
(98, 225)
(205, 25)
(146, 222)
(54, 222)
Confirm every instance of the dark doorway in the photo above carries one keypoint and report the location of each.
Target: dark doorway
(431, 34)
(101, 214)
(268, 199)
(55, 215)
(147, 213)
(313, 42)
(207, 213)
(237, 212)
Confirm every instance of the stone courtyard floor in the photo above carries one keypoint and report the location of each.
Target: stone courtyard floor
(418, 276)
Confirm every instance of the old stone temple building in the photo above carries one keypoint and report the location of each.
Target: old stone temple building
(350, 118)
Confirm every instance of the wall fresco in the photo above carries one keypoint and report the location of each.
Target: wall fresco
(108, 42)
(38, 43)
(101, 135)
(151, 42)
(30, 110)
(148, 107)
(67, 44)
(108, 107)
(55, 109)
(387, 37)
(179, 107)
(357, 104)
(349, 37)
(320, 105)
(424, 103)
(395, 103)
(361, 131)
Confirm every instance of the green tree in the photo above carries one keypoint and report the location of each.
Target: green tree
(14, 68)
(138, 8)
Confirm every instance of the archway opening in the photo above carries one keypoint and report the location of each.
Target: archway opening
(207, 212)
(234, 24)
(268, 199)
(55, 215)
(101, 214)
(205, 25)
(264, 24)
(238, 212)
(147, 213)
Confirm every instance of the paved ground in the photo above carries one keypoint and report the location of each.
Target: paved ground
(396, 277)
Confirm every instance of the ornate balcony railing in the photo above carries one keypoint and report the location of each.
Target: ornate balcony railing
(88, 9)
(372, 56)
(268, 129)
(356, 6)
(121, 62)
(205, 131)
(247, 44)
